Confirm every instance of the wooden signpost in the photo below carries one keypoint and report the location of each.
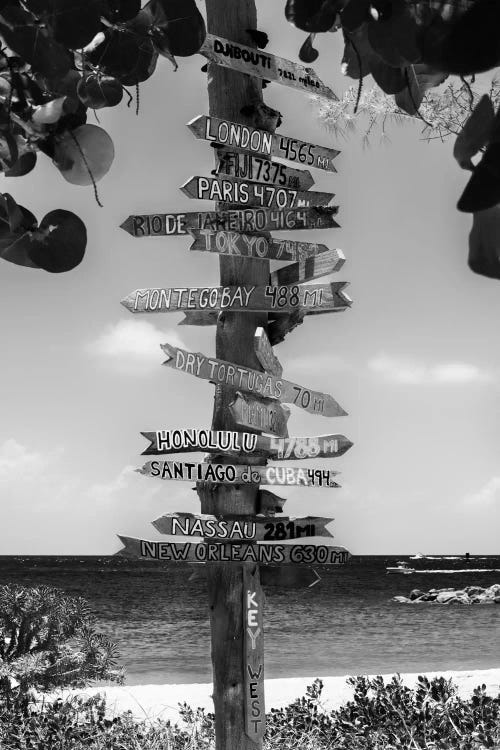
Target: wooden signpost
(259, 246)
(263, 553)
(241, 538)
(259, 414)
(259, 169)
(194, 440)
(246, 193)
(245, 379)
(235, 135)
(237, 220)
(308, 297)
(261, 64)
(249, 529)
(239, 474)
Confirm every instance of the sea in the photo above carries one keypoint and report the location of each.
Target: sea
(345, 624)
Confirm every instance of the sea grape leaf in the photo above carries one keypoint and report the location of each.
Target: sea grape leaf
(484, 243)
(178, 26)
(25, 163)
(355, 14)
(394, 36)
(357, 50)
(59, 243)
(307, 52)
(119, 11)
(475, 132)
(483, 189)
(391, 80)
(421, 78)
(51, 112)
(260, 38)
(97, 91)
(84, 155)
(313, 16)
(75, 22)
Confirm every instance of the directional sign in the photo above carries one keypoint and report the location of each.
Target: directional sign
(268, 504)
(239, 474)
(259, 414)
(199, 318)
(306, 270)
(237, 220)
(256, 246)
(220, 372)
(262, 552)
(243, 528)
(261, 64)
(194, 440)
(241, 137)
(309, 297)
(285, 576)
(265, 354)
(259, 169)
(253, 654)
(234, 190)
(284, 324)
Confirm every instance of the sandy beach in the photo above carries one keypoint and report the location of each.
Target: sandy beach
(161, 701)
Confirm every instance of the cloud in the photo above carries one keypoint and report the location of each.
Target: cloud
(325, 362)
(17, 462)
(132, 346)
(408, 372)
(488, 495)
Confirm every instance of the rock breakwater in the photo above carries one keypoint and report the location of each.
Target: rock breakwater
(467, 595)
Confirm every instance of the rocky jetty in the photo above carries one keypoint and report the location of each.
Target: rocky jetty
(467, 595)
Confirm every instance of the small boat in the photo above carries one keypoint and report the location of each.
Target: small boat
(401, 567)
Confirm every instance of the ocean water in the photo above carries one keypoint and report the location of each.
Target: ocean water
(346, 624)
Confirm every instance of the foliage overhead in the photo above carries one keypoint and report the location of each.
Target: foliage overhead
(410, 47)
(58, 59)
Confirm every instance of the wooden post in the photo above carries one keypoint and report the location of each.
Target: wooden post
(228, 92)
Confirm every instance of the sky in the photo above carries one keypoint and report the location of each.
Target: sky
(415, 362)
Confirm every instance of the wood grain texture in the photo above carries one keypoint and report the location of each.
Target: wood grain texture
(265, 354)
(319, 265)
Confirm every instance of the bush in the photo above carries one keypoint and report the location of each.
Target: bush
(48, 640)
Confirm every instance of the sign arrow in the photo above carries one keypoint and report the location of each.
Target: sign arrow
(194, 440)
(259, 414)
(306, 270)
(241, 137)
(265, 354)
(257, 246)
(300, 297)
(239, 474)
(243, 528)
(259, 169)
(284, 576)
(237, 220)
(268, 503)
(261, 64)
(261, 553)
(246, 193)
(221, 372)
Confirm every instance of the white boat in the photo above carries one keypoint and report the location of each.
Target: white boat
(401, 567)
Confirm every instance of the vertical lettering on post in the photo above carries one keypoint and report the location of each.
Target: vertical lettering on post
(253, 624)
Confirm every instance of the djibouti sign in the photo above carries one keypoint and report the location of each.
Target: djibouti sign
(263, 553)
(292, 476)
(246, 193)
(261, 64)
(257, 246)
(235, 135)
(238, 220)
(304, 297)
(219, 371)
(195, 440)
(247, 528)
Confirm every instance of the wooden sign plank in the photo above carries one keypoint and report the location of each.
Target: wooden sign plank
(259, 169)
(285, 576)
(284, 324)
(253, 654)
(306, 270)
(259, 414)
(291, 476)
(280, 324)
(262, 552)
(308, 297)
(237, 220)
(246, 193)
(243, 528)
(195, 440)
(265, 354)
(235, 135)
(219, 371)
(261, 64)
(256, 246)
(268, 504)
